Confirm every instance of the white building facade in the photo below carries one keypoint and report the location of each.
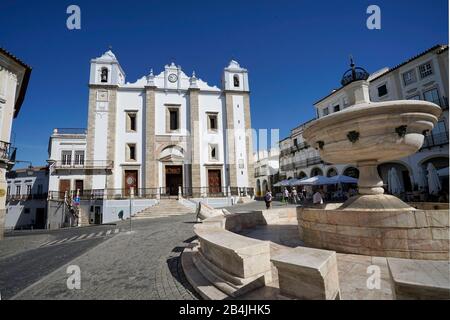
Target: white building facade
(423, 77)
(14, 77)
(26, 198)
(163, 133)
(267, 166)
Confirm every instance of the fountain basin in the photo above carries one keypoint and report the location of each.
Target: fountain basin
(382, 131)
(369, 133)
(412, 234)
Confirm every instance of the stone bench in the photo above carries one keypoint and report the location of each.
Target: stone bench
(419, 279)
(306, 273)
(233, 263)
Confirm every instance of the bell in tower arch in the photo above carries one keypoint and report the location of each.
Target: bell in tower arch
(236, 80)
(104, 75)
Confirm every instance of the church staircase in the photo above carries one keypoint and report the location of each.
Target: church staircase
(165, 208)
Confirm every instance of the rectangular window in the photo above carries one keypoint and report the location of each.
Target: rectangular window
(131, 121)
(212, 122)
(432, 96)
(173, 120)
(66, 158)
(8, 191)
(17, 190)
(296, 142)
(336, 108)
(79, 157)
(131, 152)
(325, 111)
(409, 77)
(382, 90)
(241, 164)
(28, 189)
(425, 70)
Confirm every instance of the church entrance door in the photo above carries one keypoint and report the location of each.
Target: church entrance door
(174, 179)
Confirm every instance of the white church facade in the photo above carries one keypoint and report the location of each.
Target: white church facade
(160, 133)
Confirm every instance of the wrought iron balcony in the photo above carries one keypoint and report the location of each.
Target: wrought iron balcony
(26, 197)
(6, 151)
(84, 164)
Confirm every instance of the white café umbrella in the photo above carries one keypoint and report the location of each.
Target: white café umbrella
(316, 181)
(442, 172)
(396, 186)
(292, 182)
(298, 182)
(434, 185)
(422, 177)
(389, 180)
(340, 178)
(283, 183)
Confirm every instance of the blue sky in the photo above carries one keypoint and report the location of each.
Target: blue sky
(295, 51)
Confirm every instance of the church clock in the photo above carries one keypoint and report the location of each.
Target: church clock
(173, 77)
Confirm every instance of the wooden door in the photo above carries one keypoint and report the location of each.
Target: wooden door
(40, 218)
(174, 179)
(214, 181)
(131, 181)
(64, 185)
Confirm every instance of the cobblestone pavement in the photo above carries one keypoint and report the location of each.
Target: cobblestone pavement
(143, 264)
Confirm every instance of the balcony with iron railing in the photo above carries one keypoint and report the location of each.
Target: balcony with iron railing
(83, 164)
(26, 197)
(6, 151)
(152, 193)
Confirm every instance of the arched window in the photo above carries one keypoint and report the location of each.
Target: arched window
(236, 80)
(104, 75)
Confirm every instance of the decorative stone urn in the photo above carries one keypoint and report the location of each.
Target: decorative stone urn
(367, 133)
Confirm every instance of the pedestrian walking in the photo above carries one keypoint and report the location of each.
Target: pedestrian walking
(294, 195)
(268, 199)
(286, 195)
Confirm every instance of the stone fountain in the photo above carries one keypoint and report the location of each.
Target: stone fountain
(367, 133)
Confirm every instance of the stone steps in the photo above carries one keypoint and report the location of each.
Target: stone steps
(163, 209)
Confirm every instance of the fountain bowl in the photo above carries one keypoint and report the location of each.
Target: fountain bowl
(375, 131)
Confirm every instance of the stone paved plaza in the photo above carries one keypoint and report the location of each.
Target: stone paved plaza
(142, 265)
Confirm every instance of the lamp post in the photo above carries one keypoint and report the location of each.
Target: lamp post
(131, 200)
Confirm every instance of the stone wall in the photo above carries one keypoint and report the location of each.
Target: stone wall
(415, 234)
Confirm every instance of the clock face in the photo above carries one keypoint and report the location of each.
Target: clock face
(173, 77)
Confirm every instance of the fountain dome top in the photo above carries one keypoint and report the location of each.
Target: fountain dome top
(354, 74)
